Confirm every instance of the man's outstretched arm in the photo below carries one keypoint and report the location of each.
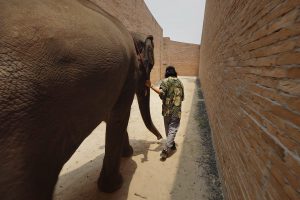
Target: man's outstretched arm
(155, 89)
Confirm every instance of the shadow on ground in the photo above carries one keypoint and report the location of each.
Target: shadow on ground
(84, 181)
(142, 147)
(81, 183)
(203, 157)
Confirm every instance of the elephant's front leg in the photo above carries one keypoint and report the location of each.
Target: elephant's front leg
(116, 144)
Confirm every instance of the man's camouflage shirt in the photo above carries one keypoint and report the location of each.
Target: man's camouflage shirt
(172, 94)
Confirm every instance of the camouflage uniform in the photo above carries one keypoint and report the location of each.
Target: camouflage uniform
(172, 94)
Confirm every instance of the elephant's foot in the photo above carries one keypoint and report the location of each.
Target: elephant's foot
(127, 151)
(108, 183)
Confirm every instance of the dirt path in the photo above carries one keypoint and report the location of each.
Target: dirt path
(189, 174)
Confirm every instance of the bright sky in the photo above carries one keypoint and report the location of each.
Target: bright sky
(181, 20)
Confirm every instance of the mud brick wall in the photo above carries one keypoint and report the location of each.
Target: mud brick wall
(250, 74)
(135, 15)
(183, 56)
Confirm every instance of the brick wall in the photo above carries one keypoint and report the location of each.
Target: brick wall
(250, 74)
(183, 56)
(135, 15)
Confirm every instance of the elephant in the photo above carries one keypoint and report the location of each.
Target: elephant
(65, 67)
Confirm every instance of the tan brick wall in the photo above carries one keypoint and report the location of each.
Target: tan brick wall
(250, 74)
(183, 56)
(135, 15)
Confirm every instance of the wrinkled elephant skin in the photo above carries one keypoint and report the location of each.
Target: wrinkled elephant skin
(65, 66)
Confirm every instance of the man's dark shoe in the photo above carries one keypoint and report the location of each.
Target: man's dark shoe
(164, 154)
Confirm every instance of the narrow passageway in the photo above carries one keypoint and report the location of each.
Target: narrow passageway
(190, 173)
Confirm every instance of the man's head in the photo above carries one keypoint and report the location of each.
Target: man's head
(170, 71)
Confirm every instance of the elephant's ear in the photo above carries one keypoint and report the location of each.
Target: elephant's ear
(149, 51)
(138, 43)
(145, 51)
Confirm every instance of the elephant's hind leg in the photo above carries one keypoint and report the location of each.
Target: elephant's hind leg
(110, 178)
(127, 149)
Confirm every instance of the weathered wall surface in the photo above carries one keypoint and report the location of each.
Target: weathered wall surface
(250, 74)
(183, 56)
(135, 15)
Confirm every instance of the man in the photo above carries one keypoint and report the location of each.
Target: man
(172, 94)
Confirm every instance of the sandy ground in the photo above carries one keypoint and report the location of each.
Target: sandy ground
(189, 174)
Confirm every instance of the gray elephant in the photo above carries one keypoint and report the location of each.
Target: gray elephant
(65, 66)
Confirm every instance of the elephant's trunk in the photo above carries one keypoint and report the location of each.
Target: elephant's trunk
(144, 105)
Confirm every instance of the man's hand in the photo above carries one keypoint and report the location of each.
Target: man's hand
(149, 84)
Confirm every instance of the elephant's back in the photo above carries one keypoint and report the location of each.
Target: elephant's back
(63, 29)
(61, 49)
(68, 36)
